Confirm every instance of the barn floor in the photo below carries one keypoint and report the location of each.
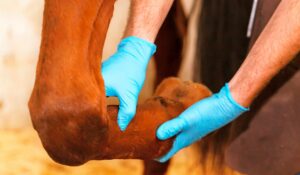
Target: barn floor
(22, 153)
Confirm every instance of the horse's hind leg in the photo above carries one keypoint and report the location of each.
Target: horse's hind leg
(152, 167)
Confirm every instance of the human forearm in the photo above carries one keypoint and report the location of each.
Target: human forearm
(277, 45)
(274, 49)
(134, 53)
(146, 18)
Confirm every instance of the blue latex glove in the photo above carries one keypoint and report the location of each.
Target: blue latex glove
(124, 75)
(199, 120)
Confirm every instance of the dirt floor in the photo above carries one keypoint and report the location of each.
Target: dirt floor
(22, 153)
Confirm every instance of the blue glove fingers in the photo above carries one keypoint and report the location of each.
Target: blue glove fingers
(127, 110)
(124, 75)
(199, 120)
(167, 156)
(109, 92)
(170, 128)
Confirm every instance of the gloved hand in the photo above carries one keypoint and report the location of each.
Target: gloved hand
(199, 120)
(124, 75)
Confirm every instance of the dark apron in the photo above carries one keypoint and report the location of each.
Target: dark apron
(271, 144)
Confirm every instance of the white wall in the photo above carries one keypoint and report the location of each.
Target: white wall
(20, 22)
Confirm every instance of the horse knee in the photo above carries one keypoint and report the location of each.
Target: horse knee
(71, 133)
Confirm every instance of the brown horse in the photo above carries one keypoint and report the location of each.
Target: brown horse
(68, 105)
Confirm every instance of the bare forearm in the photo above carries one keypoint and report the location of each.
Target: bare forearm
(274, 49)
(146, 18)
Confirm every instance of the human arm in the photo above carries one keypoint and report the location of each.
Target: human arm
(146, 17)
(275, 48)
(124, 72)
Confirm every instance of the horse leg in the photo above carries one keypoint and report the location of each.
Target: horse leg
(68, 105)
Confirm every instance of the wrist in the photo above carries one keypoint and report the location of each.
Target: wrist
(233, 100)
(147, 36)
(239, 94)
(141, 49)
(228, 104)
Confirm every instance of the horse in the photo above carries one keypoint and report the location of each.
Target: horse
(68, 106)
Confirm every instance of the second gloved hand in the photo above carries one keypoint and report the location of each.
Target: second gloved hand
(199, 120)
(124, 75)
